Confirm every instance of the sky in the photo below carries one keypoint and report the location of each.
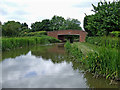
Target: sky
(30, 11)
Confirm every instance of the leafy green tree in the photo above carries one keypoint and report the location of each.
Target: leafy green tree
(86, 26)
(37, 26)
(24, 26)
(41, 26)
(57, 23)
(11, 28)
(73, 24)
(105, 20)
(45, 25)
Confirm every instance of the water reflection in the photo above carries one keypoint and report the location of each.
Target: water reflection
(45, 66)
(36, 72)
(15, 52)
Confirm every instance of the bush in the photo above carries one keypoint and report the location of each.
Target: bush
(67, 46)
(113, 42)
(115, 33)
(38, 34)
(73, 50)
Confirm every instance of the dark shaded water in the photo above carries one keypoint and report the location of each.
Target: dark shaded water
(46, 67)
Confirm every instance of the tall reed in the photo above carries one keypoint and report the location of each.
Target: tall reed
(104, 61)
(10, 43)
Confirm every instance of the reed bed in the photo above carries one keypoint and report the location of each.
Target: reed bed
(11, 43)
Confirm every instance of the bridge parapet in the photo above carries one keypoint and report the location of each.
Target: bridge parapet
(81, 33)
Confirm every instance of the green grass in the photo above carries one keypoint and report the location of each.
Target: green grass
(14, 42)
(86, 47)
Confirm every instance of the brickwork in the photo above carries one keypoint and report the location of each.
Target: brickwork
(68, 32)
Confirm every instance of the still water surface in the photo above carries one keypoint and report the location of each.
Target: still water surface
(45, 67)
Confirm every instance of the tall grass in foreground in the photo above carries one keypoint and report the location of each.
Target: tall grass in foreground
(10, 43)
(104, 61)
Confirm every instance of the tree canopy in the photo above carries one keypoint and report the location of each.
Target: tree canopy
(105, 20)
(24, 26)
(73, 24)
(56, 23)
(13, 28)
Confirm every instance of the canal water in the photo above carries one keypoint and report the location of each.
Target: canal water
(46, 66)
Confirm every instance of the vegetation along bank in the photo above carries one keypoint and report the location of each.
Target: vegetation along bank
(14, 42)
(100, 60)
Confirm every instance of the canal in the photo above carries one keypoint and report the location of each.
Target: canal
(46, 66)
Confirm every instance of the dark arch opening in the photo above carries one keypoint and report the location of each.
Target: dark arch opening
(71, 38)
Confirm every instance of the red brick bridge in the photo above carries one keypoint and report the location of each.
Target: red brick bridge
(61, 34)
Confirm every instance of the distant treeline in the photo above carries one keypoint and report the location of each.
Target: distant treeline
(106, 19)
(13, 28)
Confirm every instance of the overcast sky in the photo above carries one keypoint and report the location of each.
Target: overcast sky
(30, 11)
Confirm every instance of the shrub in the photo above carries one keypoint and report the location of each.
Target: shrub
(115, 33)
(38, 34)
(113, 42)
(67, 46)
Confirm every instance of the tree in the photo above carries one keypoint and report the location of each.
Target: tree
(45, 25)
(24, 26)
(11, 28)
(37, 26)
(73, 24)
(41, 26)
(57, 23)
(86, 26)
(105, 20)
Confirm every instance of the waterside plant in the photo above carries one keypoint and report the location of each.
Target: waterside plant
(12, 43)
(103, 61)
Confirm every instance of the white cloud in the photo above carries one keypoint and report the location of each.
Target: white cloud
(36, 10)
(39, 73)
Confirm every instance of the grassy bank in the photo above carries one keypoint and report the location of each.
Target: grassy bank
(98, 60)
(11, 43)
